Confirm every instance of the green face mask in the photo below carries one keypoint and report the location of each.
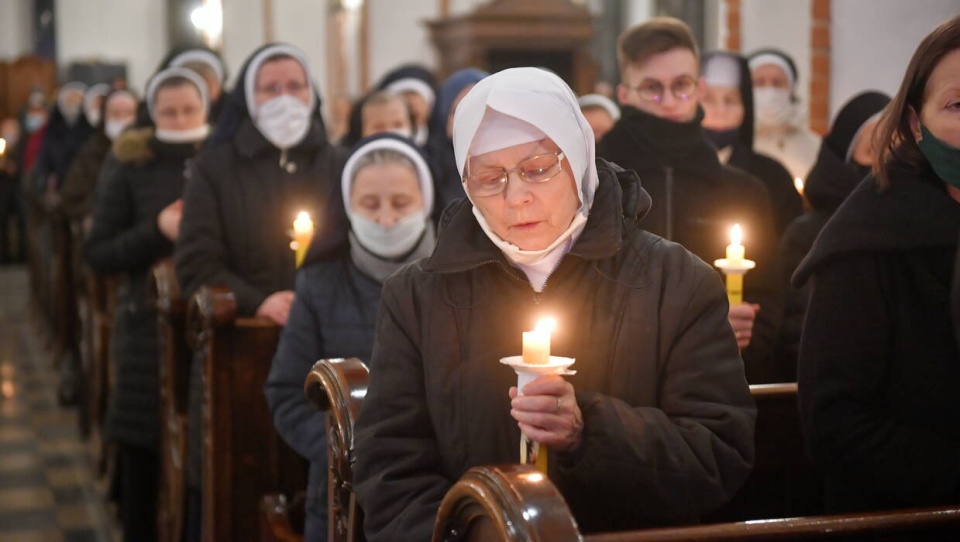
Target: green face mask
(943, 158)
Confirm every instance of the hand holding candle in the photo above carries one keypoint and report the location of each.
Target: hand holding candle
(302, 235)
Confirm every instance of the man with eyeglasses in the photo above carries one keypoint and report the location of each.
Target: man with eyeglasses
(696, 199)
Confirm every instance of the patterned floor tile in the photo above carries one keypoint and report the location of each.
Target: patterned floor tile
(36, 498)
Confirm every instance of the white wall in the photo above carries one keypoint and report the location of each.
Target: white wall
(129, 31)
(784, 24)
(398, 35)
(873, 41)
(303, 23)
(16, 36)
(242, 32)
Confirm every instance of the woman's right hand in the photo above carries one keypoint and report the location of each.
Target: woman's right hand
(169, 220)
(277, 307)
(741, 318)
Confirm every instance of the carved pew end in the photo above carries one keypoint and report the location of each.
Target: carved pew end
(501, 503)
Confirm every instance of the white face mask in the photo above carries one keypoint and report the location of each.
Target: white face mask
(192, 135)
(284, 121)
(113, 127)
(773, 106)
(389, 242)
(420, 136)
(93, 116)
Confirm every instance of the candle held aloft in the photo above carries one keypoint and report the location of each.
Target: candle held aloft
(536, 343)
(302, 235)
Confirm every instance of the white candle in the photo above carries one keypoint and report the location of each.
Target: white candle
(3, 146)
(302, 235)
(735, 251)
(536, 343)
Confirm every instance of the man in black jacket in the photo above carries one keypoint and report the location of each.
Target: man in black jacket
(696, 200)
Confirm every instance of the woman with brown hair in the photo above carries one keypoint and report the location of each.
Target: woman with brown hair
(879, 367)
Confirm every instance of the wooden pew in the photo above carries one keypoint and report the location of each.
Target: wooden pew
(244, 458)
(175, 356)
(338, 387)
(516, 502)
(96, 319)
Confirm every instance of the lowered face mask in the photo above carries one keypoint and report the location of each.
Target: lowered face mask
(773, 106)
(192, 135)
(284, 121)
(389, 242)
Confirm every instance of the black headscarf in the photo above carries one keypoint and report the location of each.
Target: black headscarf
(745, 134)
(851, 117)
(235, 110)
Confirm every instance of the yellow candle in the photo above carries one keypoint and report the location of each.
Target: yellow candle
(302, 235)
(536, 343)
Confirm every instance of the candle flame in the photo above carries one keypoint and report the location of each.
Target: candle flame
(736, 234)
(546, 324)
(3, 145)
(798, 184)
(303, 224)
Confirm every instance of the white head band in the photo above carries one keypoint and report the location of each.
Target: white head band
(412, 84)
(154, 85)
(776, 60)
(280, 49)
(424, 177)
(202, 57)
(599, 100)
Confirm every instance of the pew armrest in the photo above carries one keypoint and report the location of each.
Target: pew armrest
(164, 291)
(506, 502)
(278, 516)
(210, 308)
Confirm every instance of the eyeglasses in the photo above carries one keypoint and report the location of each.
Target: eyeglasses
(534, 170)
(682, 88)
(276, 89)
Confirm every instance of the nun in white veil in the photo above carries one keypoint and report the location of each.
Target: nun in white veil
(655, 428)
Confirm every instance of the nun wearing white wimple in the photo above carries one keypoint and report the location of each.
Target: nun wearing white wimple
(655, 428)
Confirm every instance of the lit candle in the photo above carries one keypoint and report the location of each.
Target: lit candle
(3, 146)
(536, 343)
(302, 235)
(798, 184)
(735, 251)
(735, 260)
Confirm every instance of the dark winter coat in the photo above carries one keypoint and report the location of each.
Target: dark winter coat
(668, 418)
(829, 183)
(77, 190)
(879, 367)
(696, 200)
(239, 208)
(333, 316)
(126, 240)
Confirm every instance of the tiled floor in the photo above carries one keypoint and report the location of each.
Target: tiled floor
(47, 488)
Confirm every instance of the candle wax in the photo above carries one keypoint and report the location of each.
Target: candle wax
(536, 347)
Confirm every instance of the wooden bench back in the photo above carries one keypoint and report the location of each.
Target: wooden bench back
(338, 387)
(243, 456)
(175, 356)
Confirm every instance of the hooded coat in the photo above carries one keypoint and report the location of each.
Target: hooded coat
(240, 203)
(696, 200)
(125, 239)
(879, 366)
(831, 180)
(787, 203)
(668, 418)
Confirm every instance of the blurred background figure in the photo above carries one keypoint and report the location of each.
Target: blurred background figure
(728, 124)
(782, 131)
(601, 112)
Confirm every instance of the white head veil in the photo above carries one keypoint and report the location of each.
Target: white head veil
(545, 106)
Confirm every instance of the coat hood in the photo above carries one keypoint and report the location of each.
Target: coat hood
(915, 212)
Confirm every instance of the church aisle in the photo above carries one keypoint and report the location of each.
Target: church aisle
(48, 491)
